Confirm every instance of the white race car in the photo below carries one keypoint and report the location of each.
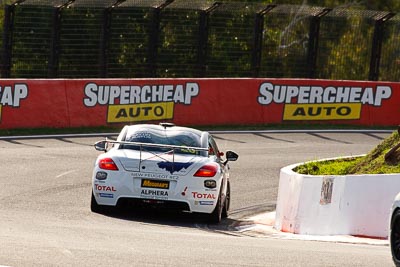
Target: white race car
(165, 166)
(394, 231)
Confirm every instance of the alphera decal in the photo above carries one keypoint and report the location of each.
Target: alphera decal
(133, 103)
(154, 194)
(312, 102)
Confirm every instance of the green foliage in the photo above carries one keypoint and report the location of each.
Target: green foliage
(344, 48)
(179, 39)
(384, 5)
(230, 44)
(389, 64)
(79, 42)
(336, 167)
(285, 47)
(31, 42)
(129, 42)
(345, 52)
(373, 163)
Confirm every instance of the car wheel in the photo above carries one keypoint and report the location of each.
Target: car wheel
(94, 207)
(216, 215)
(225, 209)
(395, 237)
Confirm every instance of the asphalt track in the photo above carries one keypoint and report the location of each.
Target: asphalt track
(45, 218)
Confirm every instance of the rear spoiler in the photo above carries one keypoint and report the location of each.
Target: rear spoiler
(103, 145)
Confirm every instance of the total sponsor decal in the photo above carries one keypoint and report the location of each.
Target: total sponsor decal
(133, 103)
(197, 195)
(312, 102)
(104, 188)
(204, 199)
(12, 95)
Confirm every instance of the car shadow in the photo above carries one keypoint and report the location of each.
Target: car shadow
(238, 218)
(174, 219)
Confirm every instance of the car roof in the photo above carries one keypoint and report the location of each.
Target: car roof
(164, 127)
(201, 138)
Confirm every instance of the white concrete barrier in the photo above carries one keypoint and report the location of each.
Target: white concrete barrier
(335, 205)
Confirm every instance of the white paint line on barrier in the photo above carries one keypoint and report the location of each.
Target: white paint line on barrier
(262, 225)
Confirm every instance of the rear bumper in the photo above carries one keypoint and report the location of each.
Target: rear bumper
(184, 193)
(153, 203)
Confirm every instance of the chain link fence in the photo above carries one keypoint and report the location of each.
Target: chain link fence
(390, 57)
(289, 41)
(345, 44)
(195, 38)
(29, 42)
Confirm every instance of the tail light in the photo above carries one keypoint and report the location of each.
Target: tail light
(208, 170)
(108, 164)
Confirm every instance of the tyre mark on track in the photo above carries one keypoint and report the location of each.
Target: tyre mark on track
(66, 173)
(328, 138)
(42, 192)
(273, 138)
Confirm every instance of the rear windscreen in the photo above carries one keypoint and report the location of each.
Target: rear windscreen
(174, 138)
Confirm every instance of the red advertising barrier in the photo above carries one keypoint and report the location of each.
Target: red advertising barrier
(101, 102)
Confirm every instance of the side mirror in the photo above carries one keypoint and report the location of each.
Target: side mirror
(231, 156)
(101, 146)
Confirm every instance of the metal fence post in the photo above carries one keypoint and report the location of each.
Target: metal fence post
(55, 41)
(377, 47)
(7, 41)
(104, 38)
(312, 51)
(202, 46)
(153, 43)
(258, 38)
(203, 39)
(154, 39)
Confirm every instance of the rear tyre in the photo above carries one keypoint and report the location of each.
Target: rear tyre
(216, 215)
(395, 237)
(94, 207)
(225, 209)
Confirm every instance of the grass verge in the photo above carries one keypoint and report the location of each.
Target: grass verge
(373, 163)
